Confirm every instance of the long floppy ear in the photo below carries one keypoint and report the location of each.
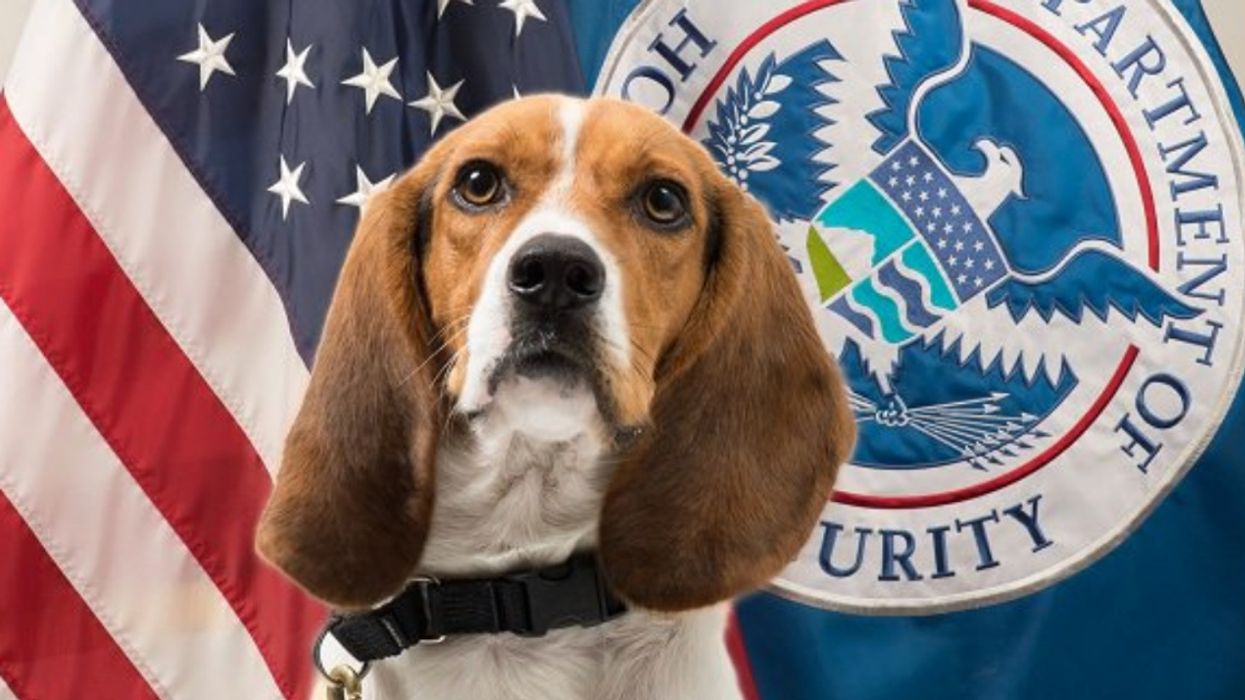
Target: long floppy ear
(751, 424)
(350, 510)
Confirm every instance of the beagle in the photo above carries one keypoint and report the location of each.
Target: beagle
(563, 331)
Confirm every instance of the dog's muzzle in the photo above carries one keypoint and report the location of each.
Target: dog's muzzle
(555, 283)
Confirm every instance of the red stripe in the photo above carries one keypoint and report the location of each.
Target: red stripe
(173, 434)
(51, 644)
(739, 654)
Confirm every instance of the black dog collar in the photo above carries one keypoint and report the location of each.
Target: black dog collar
(527, 603)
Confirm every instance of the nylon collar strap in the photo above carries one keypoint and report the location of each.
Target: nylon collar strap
(526, 603)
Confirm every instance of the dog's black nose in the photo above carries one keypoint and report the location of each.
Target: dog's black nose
(556, 273)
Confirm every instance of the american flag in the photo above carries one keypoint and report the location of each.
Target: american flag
(179, 182)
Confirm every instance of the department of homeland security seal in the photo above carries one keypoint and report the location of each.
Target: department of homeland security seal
(1019, 225)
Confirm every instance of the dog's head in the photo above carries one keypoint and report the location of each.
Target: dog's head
(592, 245)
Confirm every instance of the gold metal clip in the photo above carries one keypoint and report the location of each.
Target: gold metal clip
(344, 684)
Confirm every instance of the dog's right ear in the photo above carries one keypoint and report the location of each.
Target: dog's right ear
(348, 516)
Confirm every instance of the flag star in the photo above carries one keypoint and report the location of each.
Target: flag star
(959, 245)
(961, 279)
(906, 196)
(924, 196)
(930, 227)
(970, 263)
(953, 261)
(522, 9)
(968, 227)
(989, 265)
(955, 209)
(942, 192)
(442, 4)
(439, 102)
(948, 229)
(928, 176)
(978, 246)
(365, 189)
(913, 161)
(896, 166)
(942, 244)
(287, 187)
(937, 212)
(294, 71)
(210, 57)
(920, 211)
(910, 181)
(894, 181)
(374, 81)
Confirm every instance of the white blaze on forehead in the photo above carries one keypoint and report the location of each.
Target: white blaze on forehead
(571, 118)
(488, 331)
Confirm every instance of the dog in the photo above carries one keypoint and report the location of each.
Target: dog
(562, 331)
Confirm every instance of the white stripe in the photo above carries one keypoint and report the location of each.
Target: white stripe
(6, 693)
(72, 101)
(112, 544)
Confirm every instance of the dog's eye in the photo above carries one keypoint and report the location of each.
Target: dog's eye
(665, 204)
(479, 184)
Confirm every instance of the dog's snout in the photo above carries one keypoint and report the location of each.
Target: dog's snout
(557, 273)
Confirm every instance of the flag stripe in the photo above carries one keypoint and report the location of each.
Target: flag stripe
(51, 646)
(121, 556)
(172, 242)
(739, 654)
(148, 401)
(6, 693)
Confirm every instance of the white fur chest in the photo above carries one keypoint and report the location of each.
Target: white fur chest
(524, 489)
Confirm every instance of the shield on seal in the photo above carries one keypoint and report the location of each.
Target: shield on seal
(901, 249)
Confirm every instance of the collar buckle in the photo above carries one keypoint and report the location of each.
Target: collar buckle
(571, 593)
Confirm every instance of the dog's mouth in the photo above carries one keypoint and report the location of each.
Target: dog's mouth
(543, 355)
(567, 360)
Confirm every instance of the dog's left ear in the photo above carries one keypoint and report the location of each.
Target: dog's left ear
(751, 424)
(353, 499)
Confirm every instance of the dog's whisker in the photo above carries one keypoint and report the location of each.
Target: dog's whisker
(432, 355)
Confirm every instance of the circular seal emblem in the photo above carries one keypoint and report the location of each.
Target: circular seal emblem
(1018, 224)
